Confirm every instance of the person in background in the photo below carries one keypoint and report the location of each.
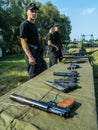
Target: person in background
(47, 50)
(53, 48)
(1, 53)
(58, 41)
(30, 42)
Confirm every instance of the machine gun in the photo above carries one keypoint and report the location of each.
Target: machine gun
(45, 106)
(60, 86)
(70, 74)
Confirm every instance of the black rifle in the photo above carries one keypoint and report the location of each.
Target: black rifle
(45, 106)
(70, 74)
(60, 86)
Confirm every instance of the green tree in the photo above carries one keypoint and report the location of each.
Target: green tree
(13, 12)
(48, 14)
(65, 27)
(11, 31)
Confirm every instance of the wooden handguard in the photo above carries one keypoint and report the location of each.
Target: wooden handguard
(67, 103)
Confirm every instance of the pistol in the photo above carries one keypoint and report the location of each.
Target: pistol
(45, 106)
(61, 86)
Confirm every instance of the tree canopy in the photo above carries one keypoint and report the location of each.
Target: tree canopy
(13, 12)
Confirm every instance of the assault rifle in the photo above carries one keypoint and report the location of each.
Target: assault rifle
(45, 106)
(60, 86)
(70, 74)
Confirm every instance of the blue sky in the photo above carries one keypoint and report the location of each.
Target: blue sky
(83, 15)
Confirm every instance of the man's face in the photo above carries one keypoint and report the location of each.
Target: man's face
(56, 28)
(51, 29)
(32, 14)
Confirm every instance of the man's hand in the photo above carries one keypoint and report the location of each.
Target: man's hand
(56, 48)
(32, 60)
(52, 45)
(26, 49)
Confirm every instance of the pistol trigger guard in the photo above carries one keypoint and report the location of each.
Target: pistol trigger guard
(52, 102)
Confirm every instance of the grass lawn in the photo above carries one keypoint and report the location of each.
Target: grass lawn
(13, 73)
